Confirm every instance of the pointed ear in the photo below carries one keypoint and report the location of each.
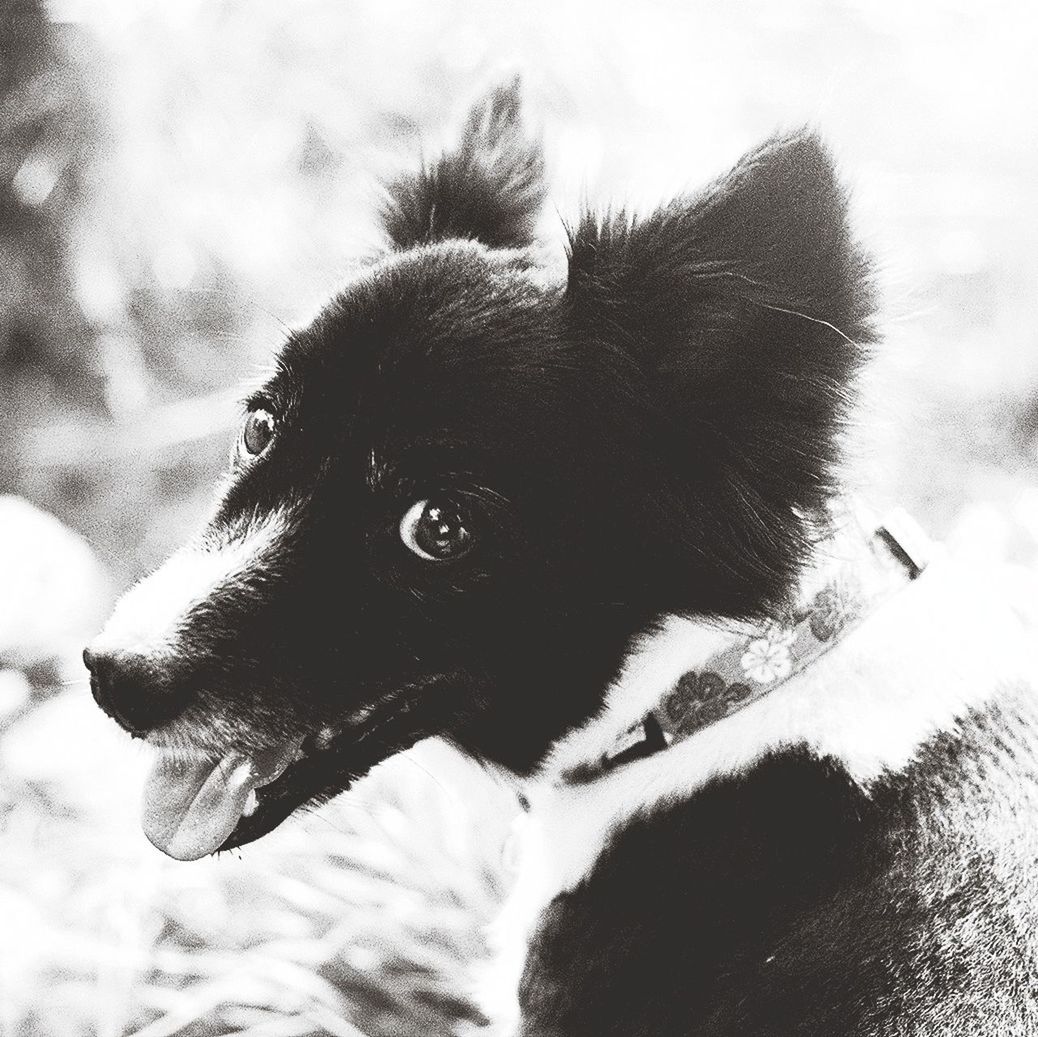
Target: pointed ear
(490, 188)
(746, 310)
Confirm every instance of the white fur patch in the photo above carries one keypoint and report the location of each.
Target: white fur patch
(147, 616)
(911, 670)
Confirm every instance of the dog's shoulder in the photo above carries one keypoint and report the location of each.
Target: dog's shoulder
(791, 899)
(854, 854)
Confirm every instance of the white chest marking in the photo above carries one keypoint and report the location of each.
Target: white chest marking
(907, 672)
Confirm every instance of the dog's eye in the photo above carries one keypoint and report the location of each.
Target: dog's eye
(435, 531)
(258, 432)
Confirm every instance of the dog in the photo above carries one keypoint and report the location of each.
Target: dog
(778, 759)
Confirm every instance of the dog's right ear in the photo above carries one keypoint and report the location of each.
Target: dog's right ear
(745, 312)
(490, 188)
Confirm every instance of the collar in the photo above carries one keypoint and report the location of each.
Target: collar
(880, 564)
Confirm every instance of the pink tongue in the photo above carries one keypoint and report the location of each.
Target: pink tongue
(191, 806)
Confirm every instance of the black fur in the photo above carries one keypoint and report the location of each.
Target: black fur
(656, 435)
(490, 188)
(659, 434)
(787, 901)
(747, 307)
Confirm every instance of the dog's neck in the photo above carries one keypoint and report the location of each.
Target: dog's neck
(871, 563)
(691, 674)
(905, 672)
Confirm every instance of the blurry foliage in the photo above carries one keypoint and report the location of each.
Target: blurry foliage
(363, 920)
(179, 181)
(47, 127)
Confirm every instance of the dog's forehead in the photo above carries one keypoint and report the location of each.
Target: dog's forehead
(436, 330)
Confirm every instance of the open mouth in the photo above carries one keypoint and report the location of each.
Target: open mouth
(196, 805)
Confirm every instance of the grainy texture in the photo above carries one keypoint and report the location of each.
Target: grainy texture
(788, 901)
(229, 178)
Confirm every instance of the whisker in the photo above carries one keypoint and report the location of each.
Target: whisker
(331, 824)
(814, 320)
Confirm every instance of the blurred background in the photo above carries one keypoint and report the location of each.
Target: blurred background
(179, 183)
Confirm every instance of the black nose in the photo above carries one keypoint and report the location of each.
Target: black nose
(133, 690)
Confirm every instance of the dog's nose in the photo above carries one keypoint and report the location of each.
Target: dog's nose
(131, 689)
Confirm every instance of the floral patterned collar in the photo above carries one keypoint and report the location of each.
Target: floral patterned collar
(894, 554)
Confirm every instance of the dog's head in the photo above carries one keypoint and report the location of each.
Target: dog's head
(465, 493)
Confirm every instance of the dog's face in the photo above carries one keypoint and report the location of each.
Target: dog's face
(465, 493)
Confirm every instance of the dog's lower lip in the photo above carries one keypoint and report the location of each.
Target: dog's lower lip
(307, 775)
(334, 756)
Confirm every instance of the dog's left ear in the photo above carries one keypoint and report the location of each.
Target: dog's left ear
(744, 310)
(490, 188)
